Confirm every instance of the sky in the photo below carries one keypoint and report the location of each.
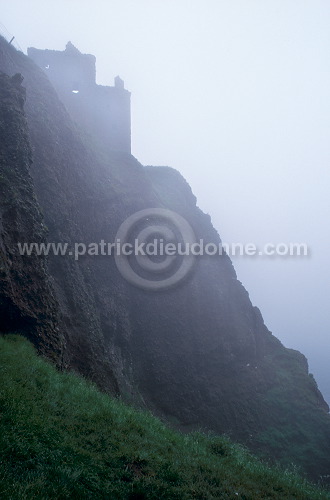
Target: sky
(235, 94)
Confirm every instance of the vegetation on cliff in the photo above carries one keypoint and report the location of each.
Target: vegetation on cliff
(62, 438)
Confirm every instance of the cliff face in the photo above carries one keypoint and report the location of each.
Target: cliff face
(27, 302)
(199, 354)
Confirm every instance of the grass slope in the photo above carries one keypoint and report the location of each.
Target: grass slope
(61, 438)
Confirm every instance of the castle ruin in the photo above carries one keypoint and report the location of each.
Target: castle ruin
(102, 110)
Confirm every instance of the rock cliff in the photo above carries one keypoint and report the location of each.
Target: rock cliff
(197, 355)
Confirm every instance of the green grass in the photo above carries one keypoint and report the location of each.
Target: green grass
(62, 438)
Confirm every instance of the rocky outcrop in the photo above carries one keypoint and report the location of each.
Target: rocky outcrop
(27, 302)
(199, 354)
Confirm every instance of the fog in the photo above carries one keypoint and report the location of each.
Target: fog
(236, 96)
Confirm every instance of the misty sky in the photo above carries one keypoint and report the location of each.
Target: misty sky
(235, 94)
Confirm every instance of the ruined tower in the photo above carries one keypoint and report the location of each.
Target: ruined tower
(102, 110)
